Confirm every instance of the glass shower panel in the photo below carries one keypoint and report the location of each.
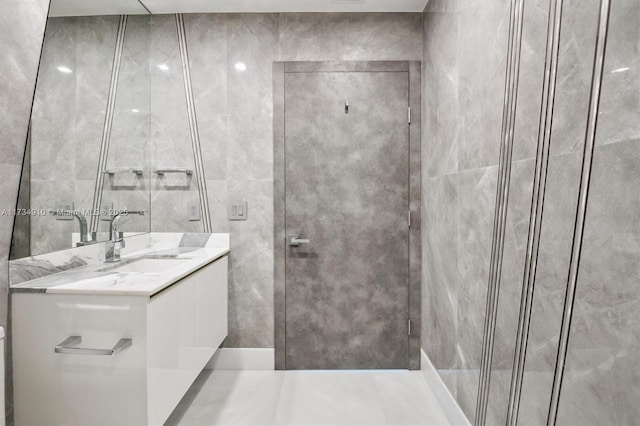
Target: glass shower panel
(575, 62)
(602, 373)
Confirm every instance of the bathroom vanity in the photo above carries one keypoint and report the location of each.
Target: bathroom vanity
(119, 343)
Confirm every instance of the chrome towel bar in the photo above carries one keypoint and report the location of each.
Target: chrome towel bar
(68, 347)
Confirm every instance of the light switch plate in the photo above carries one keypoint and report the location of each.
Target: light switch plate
(64, 205)
(193, 212)
(238, 210)
(106, 211)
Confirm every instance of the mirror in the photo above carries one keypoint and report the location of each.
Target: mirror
(87, 154)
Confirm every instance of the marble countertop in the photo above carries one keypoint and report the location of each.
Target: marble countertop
(100, 278)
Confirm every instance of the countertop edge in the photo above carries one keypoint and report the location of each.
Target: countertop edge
(166, 283)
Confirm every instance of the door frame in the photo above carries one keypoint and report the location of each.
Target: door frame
(413, 68)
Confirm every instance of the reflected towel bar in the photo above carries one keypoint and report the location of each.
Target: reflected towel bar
(161, 172)
(123, 170)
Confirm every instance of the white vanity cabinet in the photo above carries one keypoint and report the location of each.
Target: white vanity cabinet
(173, 334)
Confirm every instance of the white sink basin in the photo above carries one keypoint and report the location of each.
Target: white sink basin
(148, 266)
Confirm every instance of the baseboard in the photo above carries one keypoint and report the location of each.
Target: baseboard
(447, 401)
(242, 359)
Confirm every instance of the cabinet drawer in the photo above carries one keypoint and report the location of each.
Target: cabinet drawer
(71, 387)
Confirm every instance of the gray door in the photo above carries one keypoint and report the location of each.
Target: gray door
(347, 192)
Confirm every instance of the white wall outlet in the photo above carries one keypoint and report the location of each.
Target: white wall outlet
(193, 211)
(238, 210)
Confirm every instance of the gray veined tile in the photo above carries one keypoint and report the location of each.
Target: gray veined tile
(350, 36)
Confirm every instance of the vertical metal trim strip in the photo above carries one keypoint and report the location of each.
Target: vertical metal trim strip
(502, 200)
(193, 123)
(494, 237)
(108, 122)
(279, 217)
(583, 196)
(537, 205)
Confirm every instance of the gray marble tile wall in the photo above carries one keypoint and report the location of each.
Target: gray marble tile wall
(602, 376)
(21, 33)
(130, 143)
(170, 137)
(465, 46)
(575, 62)
(234, 107)
(67, 121)
(601, 381)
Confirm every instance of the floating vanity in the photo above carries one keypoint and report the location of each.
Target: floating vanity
(119, 343)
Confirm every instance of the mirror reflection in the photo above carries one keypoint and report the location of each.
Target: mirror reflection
(87, 153)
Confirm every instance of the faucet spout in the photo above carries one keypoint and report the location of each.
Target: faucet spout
(113, 227)
(85, 235)
(117, 242)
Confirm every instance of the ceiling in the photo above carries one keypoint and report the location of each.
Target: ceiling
(133, 7)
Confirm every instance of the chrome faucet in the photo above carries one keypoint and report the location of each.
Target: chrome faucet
(112, 252)
(86, 237)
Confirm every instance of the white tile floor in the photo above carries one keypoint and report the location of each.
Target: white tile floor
(331, 398)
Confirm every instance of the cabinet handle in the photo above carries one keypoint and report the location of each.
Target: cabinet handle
(68, 347)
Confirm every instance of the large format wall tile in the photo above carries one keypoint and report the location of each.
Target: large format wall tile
(251, 267)
(482, 57)
(51, 133)
(350, 36)
(476, 204)
(551, 279)
(170, 133)
(68, 119)
(253, 41)
(440, 271)
(463, 90)
(20, 43)
(620, 99)
(207, 44)
(513, 261)
(602, 379)
(95, 40)
(532, 57)
(21, 35)
(575, 65)
(234, 108)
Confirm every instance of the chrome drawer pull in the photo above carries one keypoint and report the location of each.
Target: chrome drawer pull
(68, 347)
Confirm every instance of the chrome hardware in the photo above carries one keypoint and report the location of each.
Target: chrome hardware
(161, 172)
(295, 240)
(346, 106)
(86, 237)
(112, 252)
(112, 172)
(68, 347)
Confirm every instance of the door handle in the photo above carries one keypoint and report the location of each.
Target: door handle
(295, 240)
